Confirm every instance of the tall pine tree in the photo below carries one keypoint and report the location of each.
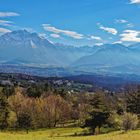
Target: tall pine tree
(99, 114)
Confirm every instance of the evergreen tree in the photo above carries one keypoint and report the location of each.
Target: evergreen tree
(4, 111)
(133, 102)
(99, 113)
(35, 91)
(8, 90)
(24, 121)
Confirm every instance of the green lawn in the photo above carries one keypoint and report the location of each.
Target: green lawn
(67, 134)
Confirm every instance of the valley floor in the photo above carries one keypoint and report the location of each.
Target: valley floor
(67, 134)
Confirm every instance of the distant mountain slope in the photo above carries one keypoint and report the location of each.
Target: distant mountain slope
(114, 58)
(22, 47)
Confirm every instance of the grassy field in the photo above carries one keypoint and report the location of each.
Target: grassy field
(67, 134)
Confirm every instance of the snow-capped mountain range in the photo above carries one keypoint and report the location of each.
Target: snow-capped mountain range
(22, 47)
(29, 49)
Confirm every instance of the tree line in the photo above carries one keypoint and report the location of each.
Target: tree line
(44, 106)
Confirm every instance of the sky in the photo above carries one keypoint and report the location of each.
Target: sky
(74, 22)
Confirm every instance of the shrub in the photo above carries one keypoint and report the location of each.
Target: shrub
(115, 121)
(129, 121)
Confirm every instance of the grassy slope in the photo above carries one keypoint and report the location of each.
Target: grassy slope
(66, 134)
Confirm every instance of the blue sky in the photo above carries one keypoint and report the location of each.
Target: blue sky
(75, 22)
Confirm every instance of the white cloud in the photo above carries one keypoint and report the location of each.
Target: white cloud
(55, 35)
(130, 36)
(8, 14)
(68, 33)
(130, 25)
(96, 38)
(117, 42)
(121, 21)
(108, 29)
(5, 23)
(135, 1)
(99, 44)
(4, 30)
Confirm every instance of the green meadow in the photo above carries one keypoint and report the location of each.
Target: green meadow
(67, 134)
